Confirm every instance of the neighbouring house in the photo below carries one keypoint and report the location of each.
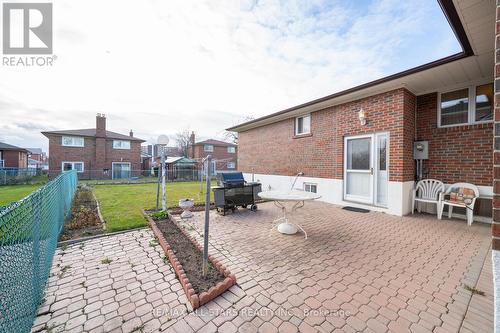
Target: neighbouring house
(95, 153)
(224, 154)
(152, 150)
(145, 159)
(37, 158)
(12, 156)
(356, 147)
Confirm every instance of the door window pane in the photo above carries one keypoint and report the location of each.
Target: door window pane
(484, 102)
(455, 107)
(382, 154)
(358, 154)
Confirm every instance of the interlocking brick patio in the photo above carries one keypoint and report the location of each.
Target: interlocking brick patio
(356, 272)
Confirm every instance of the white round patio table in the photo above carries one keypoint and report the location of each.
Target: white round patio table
(280, 198)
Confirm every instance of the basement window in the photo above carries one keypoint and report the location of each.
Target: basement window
(231, 165)
(466, 106)
(303, 125)
(311, 187)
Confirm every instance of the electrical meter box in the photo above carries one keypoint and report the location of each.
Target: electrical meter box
(421, 150)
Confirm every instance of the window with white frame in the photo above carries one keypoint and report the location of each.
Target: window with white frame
(466, 106)
(311, 187)
(78, 166)
(73, 141)
(231, 150)
(208, 148)
(121, 144)
(231, 165)
(303, 125)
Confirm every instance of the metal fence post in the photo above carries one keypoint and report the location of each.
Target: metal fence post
(207, 218)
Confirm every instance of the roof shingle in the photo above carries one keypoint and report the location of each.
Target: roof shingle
(90, 132)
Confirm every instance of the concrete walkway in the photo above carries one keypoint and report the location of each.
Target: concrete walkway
(356, 272)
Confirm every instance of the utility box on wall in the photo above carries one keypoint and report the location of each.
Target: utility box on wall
(421, 150)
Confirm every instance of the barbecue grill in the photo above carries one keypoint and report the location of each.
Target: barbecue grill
(232, 192)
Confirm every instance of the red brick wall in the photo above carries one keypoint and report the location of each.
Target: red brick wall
(273, 149)
(219, 153)
(87, 154)
(15, 159)
(59, 153)
(132, 155)
(456, 154)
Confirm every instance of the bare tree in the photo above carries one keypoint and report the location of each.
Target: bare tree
(233, 136)
(183, 140)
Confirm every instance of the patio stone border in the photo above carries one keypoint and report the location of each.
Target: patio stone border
(196, 300)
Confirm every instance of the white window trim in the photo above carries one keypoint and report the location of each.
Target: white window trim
(471, 116)
(73, 165)
(72, 136)
(309, 184)
(297, 123)
(233, 165)
(207, 145)
(129, 144)
(231, 150)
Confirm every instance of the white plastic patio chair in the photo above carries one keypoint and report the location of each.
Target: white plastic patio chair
(427, 190)
(469, 205)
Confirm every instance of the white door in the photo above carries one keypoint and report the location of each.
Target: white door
(358, 166)
(366, 168)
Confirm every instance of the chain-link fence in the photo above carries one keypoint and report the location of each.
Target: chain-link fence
(12, 176)
(125, 175)
(29, 230)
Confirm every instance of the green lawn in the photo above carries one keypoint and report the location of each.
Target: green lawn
(13, 193)
(121, 204)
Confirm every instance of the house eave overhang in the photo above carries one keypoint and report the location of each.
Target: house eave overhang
(373, 87)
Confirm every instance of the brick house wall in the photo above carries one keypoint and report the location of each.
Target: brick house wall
(97, 154)
(458, 153)
(274, 149)
(132, 155)
(59, 153)
(219, 153)
(93, 158)
(15, 159)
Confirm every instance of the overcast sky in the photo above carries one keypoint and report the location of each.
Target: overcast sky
(158, 66)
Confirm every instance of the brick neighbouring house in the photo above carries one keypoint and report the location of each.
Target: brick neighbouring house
(371, 165)
(95, 152)
(224, 154)
(12, 156)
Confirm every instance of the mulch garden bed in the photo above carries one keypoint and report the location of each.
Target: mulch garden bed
(186, 256)
(84, 220)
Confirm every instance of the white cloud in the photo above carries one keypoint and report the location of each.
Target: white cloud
(162, 66)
